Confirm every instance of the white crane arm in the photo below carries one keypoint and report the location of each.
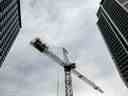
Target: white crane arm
(85, 79)
(43, 48)
(54, 57)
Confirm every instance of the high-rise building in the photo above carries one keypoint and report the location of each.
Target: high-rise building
(10, 24)
(113, 25)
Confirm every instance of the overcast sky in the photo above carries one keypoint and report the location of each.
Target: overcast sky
(60, 23)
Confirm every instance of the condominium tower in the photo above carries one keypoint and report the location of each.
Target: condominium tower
(10, 24)
(113, 25)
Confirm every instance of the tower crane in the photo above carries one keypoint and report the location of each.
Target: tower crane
(68, 66)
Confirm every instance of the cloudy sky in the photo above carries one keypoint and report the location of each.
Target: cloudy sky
(59, 23)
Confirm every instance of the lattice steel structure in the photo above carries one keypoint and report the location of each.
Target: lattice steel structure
(10, 24)
(113, 24)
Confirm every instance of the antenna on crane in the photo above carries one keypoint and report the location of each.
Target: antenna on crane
(68, 66)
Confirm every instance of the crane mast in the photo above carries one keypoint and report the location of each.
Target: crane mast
(68, 77)
(68, 83)
(67, 65)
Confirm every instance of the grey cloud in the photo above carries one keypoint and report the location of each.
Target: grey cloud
(66, 23)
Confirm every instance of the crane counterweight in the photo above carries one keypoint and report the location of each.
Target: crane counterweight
(39, 45)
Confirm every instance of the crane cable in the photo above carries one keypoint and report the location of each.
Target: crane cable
(58, 85)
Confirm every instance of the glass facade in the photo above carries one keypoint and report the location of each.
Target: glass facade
(113, 25)
(10, 24)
